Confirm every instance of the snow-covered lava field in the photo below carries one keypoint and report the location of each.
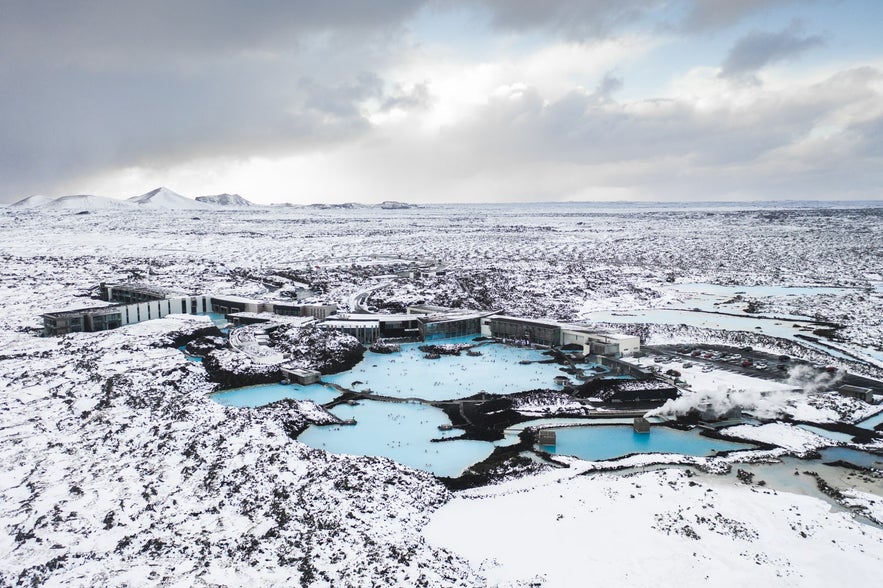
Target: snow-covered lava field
(120, 470)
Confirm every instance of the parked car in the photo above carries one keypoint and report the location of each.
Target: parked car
(746, 363)
(761, 366)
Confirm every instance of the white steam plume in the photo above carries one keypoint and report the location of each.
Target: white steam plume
(763, 404)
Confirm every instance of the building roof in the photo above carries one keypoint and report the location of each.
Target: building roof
(530, 321)
(234, 298)
(353, 317)
(273, 317)
(450, 318)
(349, 324)
(82, 311)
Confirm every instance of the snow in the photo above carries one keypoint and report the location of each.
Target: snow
(229, 200)
(87, 202)
(781, 434)
(168, 200)
(657, 528)
(34, 201)
(871, 505)
(120, 424)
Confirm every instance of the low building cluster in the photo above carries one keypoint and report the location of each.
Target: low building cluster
(134, 303)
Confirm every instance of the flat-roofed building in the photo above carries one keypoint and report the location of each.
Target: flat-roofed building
(446, 326)
(540, 332)
(301, 376)
(227, 303)
(113, 316)
(132, 292)
(859, 392)
(318, 311)
(615, 344)
(253, 318)
(366, 332)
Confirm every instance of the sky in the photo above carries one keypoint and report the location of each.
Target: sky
(443, 101)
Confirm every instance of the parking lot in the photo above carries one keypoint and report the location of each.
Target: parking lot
(745, 361)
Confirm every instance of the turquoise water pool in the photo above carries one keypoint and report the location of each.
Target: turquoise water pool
(402, 432)
(594, 443)
(832, 435)
(871, 422)
(267, 393)
(859, 458)
(408, 374)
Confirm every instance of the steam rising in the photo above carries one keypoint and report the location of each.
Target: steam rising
(762, 404)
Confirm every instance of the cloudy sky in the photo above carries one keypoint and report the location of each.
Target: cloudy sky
(443, 101)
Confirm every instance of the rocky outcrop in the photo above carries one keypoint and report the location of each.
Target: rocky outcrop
(205, 345)
(327, 351)
(232, 369)
(381, 346)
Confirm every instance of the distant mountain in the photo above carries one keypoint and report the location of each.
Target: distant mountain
(87, 202)
(234, 200)
(393, 205)
(163, 198)
(344, 205)
(73, 202)
(31, 202)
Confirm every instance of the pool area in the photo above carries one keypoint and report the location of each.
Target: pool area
(782, 328)
(832, 435)
(266, 393)
(402, 432)
(406, 374)
(595, 443)
(872, 422)
(859, 458)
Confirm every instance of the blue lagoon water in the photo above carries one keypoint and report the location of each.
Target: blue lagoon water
(832, 435)
(402, 432)
(408, 375)
(859, 458)
(267, 393)
(594, 443)
(871, 422)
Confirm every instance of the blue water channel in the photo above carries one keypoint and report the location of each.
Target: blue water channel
(402, 432)
(859, 458)
(871, 422)
(595, 443)
(267, 393)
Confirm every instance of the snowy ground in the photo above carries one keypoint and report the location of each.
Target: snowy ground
(659, 528)
(119, 469)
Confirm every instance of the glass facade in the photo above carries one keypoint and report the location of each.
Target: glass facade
(446, 329)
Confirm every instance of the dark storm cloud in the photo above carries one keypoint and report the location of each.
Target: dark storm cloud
(758, 49)
(578, 20)
(99, 32)
(710, 15)
(86, 86)
(587, 19)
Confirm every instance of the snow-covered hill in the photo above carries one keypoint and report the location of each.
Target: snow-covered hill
(87, 202)
(34, 201)
(164, 198)
(231, 200)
